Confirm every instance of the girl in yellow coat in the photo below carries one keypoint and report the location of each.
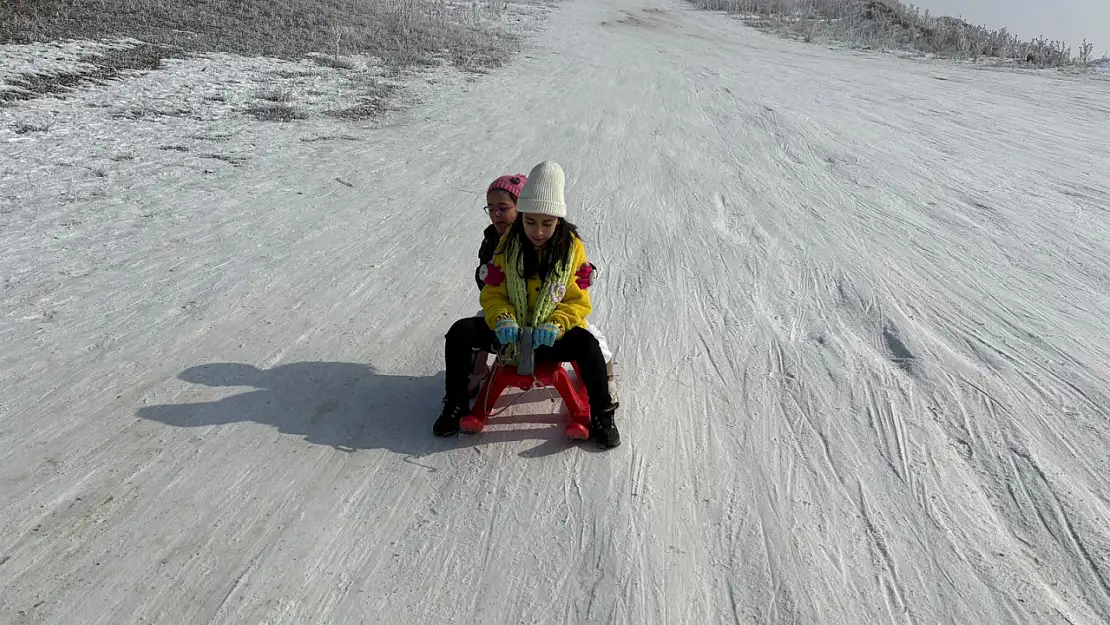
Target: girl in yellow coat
(531, 281)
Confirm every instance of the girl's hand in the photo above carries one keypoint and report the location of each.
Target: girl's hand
(545, 335)
(507, 331)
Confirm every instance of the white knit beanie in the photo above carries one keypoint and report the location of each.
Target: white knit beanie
(543, 193)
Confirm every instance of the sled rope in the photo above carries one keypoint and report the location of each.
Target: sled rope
(497, 364)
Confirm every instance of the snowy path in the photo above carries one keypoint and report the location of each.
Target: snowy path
(860, 312)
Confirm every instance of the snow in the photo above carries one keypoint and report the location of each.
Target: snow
(857, 304)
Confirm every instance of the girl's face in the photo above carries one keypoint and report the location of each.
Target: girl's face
(539, 228)
(501, 208)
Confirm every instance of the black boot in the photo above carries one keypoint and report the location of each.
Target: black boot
(602, 427)
(448, 422)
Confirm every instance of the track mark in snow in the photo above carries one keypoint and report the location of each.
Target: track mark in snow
(891, 583)
(639, 474)
(899, 353)
(235, 584)
(890, 429)
(645, 18)
(860, 303)
(1039, 495)
(781, 606)
(727, 221)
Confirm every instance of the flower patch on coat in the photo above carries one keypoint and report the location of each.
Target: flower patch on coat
(584, 276)
(491, 274)
(557, 291)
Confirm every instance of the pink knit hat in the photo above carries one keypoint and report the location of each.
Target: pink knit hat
(512, 183)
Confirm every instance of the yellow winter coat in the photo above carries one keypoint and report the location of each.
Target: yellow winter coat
(569, 313)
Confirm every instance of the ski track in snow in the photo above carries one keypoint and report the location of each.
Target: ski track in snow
(858, 305)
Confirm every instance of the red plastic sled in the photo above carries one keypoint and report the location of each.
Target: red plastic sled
(547, 374)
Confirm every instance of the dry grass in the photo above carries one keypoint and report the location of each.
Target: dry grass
(275, 112)
(890, 24)
(24, 128)
(400, 32)
(108, 66)
(367, 107)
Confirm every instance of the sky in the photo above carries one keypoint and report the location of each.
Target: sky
(1065, 20)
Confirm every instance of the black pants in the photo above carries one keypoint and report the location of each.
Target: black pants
(576, 345)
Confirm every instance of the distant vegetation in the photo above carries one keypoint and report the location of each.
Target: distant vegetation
(889, 24)
(401, 32)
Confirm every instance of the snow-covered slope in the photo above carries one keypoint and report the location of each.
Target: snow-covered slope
(860, 312)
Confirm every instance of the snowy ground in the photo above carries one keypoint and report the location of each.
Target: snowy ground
(203, 117)
(858, 304)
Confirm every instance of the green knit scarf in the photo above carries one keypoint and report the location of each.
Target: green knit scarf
(551, 293)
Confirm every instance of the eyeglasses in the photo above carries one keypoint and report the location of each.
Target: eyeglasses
(500, 209)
